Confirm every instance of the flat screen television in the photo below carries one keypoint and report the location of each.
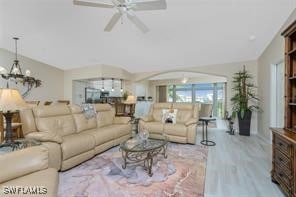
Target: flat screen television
(92, 95)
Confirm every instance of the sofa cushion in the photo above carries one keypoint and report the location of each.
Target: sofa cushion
(185, 112)
(23, 162)
(154, 127)
(123, 129)
(54, 119)
(183, 106)
(51, 110)
(157, 110)
(105, 114)
(105, 118)
(184, 116)
(162, 105)
(103, 134)
(76, 144)
(62, 125)
(81, 122)
(103, 107)
(28, 121)
(45, 179)
(157, 114)
(175, 129)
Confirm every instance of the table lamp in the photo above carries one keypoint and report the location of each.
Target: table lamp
(131, 99)
(10, 102)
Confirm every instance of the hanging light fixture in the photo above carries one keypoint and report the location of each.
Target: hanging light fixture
(121, 81)
(103, 89)
(184, 80)
(16, 75)
(112, 85)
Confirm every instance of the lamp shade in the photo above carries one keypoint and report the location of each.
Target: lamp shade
(131, 99)
(11, 100)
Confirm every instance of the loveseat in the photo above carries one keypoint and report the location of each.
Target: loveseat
(26, 173)
(70, 137)
(184, 131)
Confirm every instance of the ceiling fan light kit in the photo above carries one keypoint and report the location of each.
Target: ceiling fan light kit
(126, 7)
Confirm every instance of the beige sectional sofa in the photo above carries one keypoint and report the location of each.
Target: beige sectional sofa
(184, 131)
(26, 173)
(70, 137)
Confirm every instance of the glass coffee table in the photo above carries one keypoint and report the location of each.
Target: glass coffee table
(137, 151)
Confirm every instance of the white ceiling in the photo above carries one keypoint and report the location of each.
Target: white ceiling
(189, 33)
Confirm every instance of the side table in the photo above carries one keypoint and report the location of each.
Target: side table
(205, 122)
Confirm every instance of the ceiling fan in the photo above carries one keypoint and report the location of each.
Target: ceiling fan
(126, 7)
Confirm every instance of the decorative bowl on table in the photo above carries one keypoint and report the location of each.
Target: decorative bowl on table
(143, 135)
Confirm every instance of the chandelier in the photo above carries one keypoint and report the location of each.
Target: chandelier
(16, 75)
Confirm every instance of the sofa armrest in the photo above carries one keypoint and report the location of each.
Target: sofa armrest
(147, 118)
(22, 162)
(45, 137)
(191, 121)
(121, 120)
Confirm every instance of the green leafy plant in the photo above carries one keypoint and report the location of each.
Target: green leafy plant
(245, 98)
(125, 95)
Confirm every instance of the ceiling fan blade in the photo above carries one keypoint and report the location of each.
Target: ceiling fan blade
(115, 18)
(140, 1)
(149, 5)
(134, 19)
(92, 4)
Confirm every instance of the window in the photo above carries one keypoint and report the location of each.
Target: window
(204, 93)
(183, 93)
(213, 93)
(220, 102)
(170, 96)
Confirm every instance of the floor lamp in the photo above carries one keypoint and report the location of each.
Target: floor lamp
(10, 102)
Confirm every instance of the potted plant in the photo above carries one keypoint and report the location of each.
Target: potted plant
(125, 95)
(244, 100)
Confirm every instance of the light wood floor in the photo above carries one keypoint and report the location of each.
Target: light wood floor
(239, 166)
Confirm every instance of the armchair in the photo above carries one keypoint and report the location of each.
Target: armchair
(184, 131)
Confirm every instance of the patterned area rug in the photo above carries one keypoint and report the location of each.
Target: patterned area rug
(181, 174)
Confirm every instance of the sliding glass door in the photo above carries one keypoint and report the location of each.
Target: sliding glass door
(210, 93)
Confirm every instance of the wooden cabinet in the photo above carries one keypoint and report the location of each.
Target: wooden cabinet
(284, 140)
(283, 163)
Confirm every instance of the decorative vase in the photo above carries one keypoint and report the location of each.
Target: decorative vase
(144, 135)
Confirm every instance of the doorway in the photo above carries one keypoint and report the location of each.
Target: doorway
(277, 95)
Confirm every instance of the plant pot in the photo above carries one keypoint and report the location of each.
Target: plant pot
(244, 123)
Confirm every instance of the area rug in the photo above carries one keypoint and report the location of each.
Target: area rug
(181, 174)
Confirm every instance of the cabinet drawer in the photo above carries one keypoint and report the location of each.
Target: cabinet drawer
(282, 177)
(283, 145)
(283, 161)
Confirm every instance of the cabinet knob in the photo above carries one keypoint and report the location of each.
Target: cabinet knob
(280, 144)
(280, 174)
(280, 159)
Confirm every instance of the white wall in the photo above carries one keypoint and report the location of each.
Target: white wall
(273, 54)
(78, 96)
(52, 88)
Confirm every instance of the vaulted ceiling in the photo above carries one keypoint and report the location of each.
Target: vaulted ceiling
(188, 33)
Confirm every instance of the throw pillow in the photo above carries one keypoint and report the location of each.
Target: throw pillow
(169, 116)
(89, 111)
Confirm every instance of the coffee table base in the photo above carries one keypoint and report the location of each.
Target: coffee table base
(146, 157)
